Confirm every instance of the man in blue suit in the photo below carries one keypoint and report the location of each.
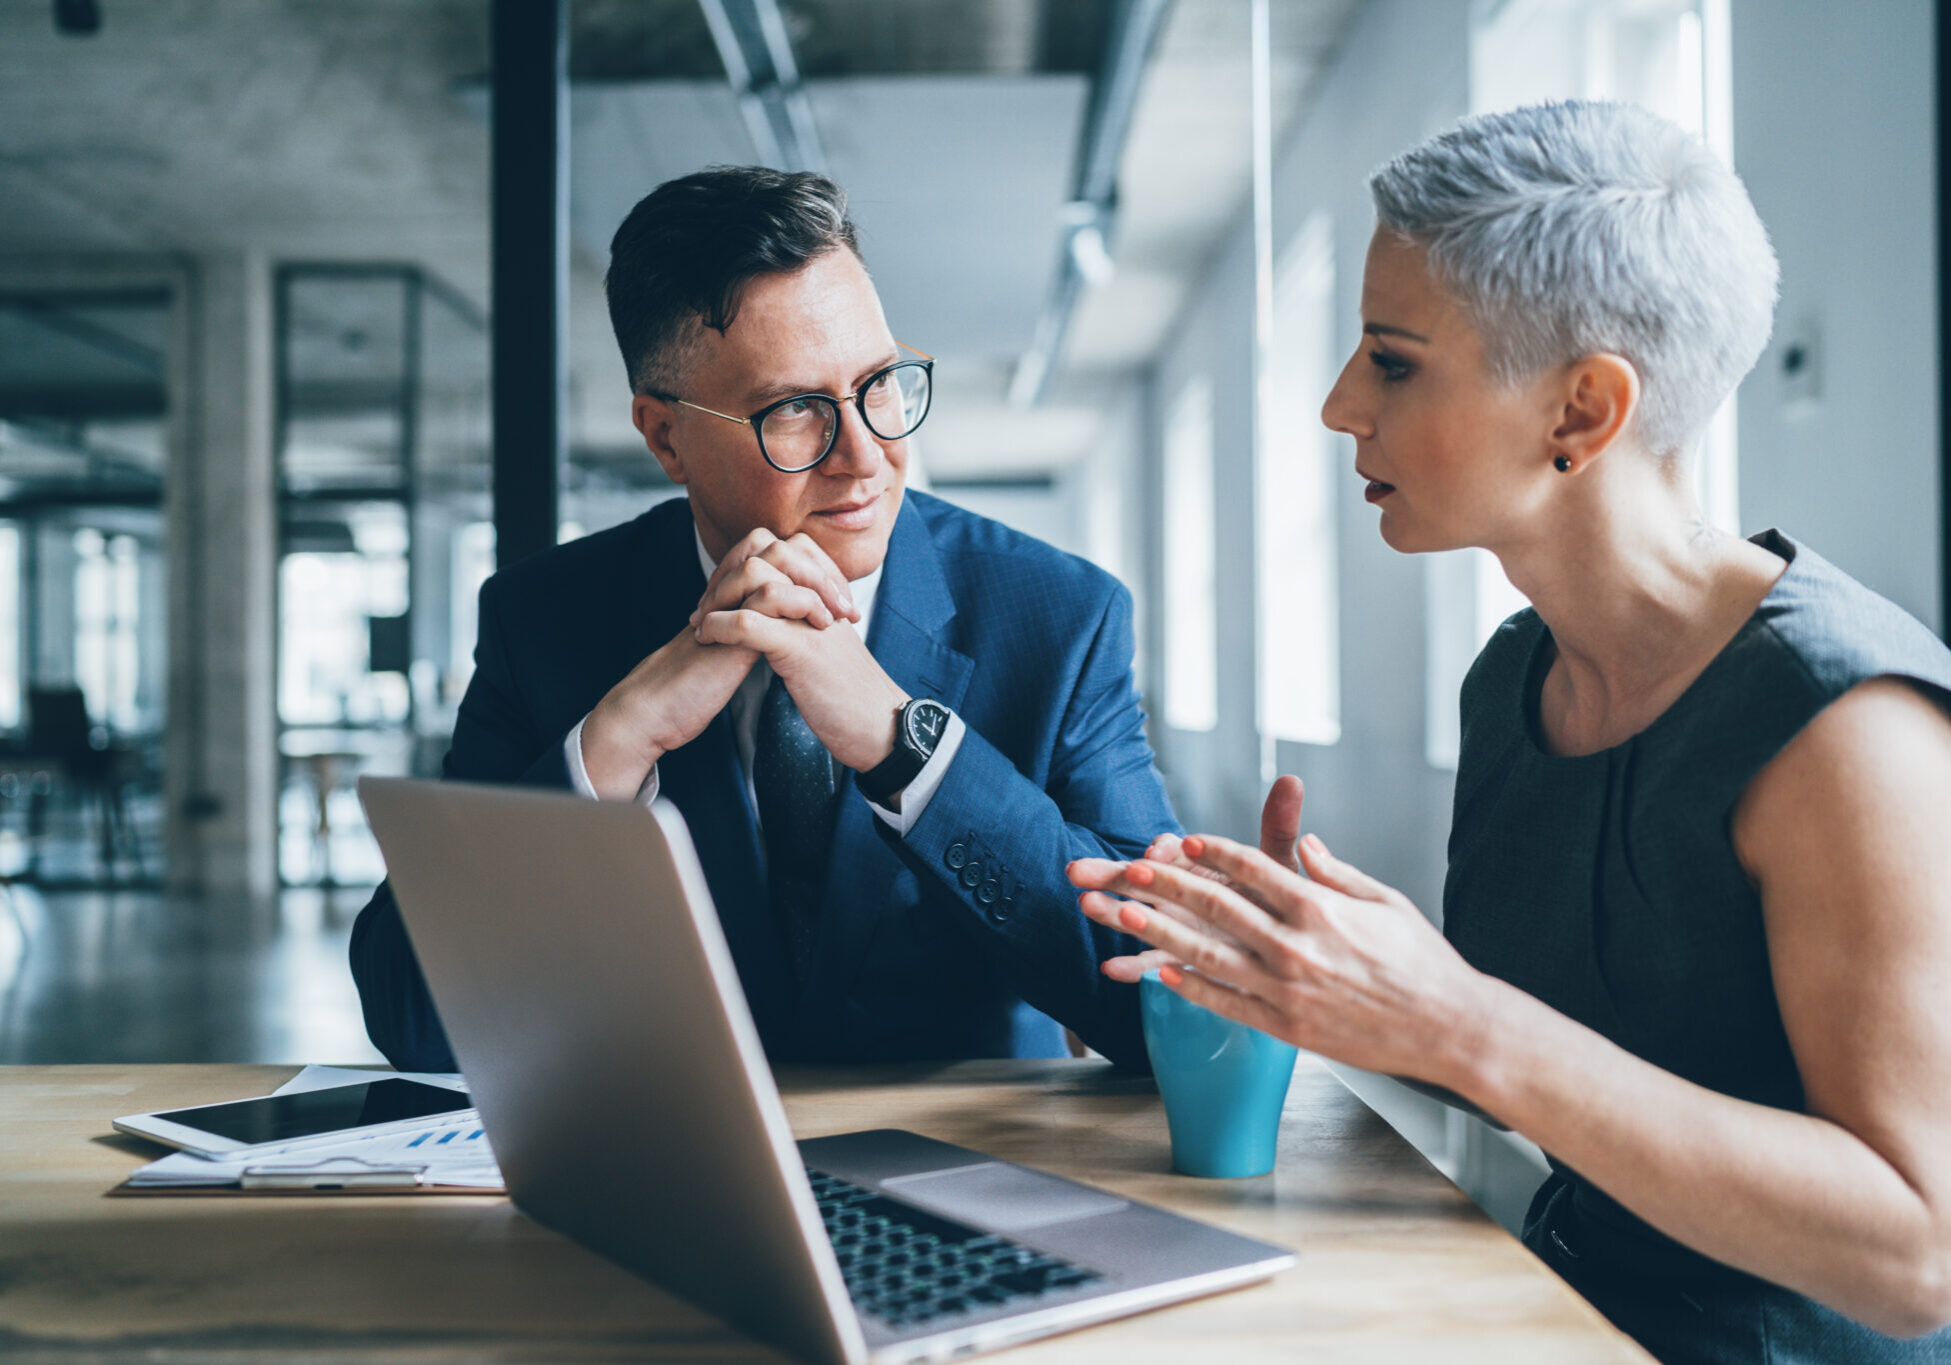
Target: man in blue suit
(888, 722)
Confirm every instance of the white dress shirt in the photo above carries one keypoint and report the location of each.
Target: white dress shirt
(744, 708)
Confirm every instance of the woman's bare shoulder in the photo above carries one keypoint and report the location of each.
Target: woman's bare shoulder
(1865, 759)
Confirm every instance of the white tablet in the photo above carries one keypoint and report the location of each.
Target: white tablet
(272, 1122)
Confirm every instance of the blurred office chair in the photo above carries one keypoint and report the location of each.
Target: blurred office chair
(59, 730)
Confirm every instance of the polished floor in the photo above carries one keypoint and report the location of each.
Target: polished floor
(66, 837)
(144, 976)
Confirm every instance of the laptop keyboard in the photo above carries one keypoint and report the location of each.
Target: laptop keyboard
(907, 1267)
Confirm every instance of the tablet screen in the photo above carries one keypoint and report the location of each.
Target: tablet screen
(309, 1113)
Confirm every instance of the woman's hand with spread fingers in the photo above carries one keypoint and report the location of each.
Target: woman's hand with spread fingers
(1340, 965)
(1280, 826)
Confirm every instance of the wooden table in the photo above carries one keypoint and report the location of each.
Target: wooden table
(1396, 1264)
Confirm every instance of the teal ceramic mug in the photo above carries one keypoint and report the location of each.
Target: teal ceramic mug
(1223, 1084)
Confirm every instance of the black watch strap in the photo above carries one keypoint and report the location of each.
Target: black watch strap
(918, 730)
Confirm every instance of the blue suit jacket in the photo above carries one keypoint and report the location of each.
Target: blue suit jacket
(926, 943)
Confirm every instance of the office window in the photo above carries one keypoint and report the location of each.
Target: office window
(383, 467)
(1294, 509)
(1191, 599)
(10, 631)
(1672, 56)
(107, 603)
(339, 573)
(474, 563)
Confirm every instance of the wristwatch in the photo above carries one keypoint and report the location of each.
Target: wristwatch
(918, 728)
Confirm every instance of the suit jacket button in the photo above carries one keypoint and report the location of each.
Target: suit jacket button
(1000, 910)
(958, 853)
(971, 874)
(988, 891)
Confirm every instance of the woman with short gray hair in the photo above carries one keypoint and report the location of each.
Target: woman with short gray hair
(1697, 926)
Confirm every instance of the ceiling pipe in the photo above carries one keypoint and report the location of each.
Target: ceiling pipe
(758, 55)
(1083, 255)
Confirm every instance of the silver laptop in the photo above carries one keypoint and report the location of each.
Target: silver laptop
(589, 994)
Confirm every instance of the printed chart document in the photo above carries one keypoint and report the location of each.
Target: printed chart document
(451, 1151)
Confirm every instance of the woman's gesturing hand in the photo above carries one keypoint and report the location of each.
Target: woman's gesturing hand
(1280, 827)
(1340, 965)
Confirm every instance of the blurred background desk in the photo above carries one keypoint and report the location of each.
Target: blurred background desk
(1396, 1264)
(324, 839)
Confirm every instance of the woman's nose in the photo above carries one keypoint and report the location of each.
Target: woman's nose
(1343, 409)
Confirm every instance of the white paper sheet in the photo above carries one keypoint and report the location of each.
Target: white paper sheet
(450, 1150)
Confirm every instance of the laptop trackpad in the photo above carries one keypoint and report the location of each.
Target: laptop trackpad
(1001, 1197)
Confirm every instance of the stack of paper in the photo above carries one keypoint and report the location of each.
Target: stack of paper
(450, 1150)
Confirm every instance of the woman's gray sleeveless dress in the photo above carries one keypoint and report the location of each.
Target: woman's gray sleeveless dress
(1607, 886)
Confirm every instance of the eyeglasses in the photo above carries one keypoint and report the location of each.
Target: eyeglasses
(797, 433)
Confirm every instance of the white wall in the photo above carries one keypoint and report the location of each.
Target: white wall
(1834, 133)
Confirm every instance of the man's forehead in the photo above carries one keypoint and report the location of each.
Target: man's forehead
(795, 324)
(830, 295)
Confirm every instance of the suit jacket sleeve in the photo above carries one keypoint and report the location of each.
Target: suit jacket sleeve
(494, 741)
(995, 843)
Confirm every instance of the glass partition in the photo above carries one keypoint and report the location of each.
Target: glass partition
(383, 464)
(83, 633)
(344, 386)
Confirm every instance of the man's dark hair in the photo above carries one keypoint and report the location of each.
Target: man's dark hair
(691, 245)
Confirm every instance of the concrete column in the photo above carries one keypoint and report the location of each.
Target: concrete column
(220, 528)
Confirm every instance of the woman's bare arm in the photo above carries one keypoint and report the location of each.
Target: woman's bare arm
(1849, 1203)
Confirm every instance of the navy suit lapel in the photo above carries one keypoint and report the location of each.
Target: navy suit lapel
(704, 780)
(912, 612)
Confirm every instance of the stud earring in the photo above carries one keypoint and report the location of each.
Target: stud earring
(1563, 464)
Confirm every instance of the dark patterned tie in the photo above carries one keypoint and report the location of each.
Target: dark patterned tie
(798, 791)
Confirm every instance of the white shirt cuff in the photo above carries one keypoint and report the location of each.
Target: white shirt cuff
(919, 792)
(572, 755)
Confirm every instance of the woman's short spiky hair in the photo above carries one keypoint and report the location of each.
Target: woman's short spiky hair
(690, 246)
(1568, 229)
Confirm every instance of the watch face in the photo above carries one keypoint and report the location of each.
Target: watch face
(926, 722)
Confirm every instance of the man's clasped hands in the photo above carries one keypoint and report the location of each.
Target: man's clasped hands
(783, 601)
